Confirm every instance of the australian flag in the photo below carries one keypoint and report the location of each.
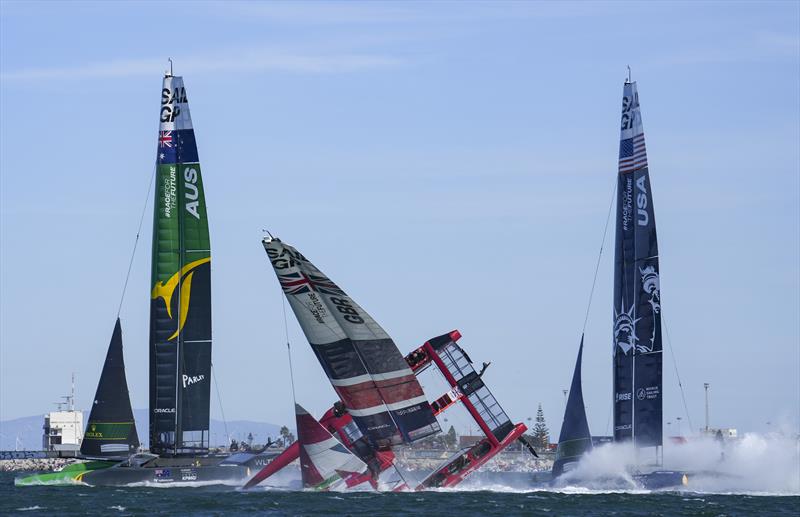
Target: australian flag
(177, 146)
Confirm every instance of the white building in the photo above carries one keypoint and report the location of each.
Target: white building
(63, 431)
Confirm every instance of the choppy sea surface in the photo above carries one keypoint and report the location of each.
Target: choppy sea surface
(87, 501)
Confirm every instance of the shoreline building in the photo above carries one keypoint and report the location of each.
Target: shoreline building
(63, 428)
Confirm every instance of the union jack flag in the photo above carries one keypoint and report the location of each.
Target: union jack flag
(632, 154)
(299, 283)
(165, 139)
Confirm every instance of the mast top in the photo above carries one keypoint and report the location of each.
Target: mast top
(268, 237)
(627, 81)
(168, 73)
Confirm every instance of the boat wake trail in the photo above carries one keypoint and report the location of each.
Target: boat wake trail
(753, 464)
(756, 463)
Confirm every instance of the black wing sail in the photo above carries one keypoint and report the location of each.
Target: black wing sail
(575, 438)
(637, 294)
(111, 431)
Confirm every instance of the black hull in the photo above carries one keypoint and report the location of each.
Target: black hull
(122, 476)
(224, 470)
(657, 480)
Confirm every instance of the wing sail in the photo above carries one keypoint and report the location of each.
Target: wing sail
(362, 362)
(180, 305)
(637, 294)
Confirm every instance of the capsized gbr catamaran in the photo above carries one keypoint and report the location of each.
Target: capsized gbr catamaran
(382, 403)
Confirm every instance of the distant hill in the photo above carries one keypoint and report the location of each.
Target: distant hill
(29, 431)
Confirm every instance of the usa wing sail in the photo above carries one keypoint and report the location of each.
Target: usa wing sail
(362, 362)
(637, 295)
(575, 439)
(111, 431)
(180, 306)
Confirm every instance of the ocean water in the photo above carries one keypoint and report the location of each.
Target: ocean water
(87, 501)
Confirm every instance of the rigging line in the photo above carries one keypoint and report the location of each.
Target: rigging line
(288, 347)
(399, 473)
(219, 399)
(599, 256)
(136, 241)
(675, 364)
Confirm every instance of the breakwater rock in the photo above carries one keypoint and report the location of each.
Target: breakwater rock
(35, 464)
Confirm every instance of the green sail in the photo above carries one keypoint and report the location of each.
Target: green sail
(180, 305)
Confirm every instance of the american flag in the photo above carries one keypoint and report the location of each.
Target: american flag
(632, 154)
(165, 139)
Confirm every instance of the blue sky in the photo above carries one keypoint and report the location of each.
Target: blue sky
(449, 165)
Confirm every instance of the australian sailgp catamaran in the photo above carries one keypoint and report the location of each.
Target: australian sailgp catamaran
(180, 332)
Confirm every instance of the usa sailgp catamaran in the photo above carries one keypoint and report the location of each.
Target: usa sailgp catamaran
(180, 332)
(637, 348)
(381, 402)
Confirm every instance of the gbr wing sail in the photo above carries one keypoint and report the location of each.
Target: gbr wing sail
(362, 362)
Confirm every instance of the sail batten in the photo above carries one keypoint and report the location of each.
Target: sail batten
(364, 366)
(637, 293)
(180, 314)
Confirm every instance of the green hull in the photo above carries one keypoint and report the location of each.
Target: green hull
(69, 475)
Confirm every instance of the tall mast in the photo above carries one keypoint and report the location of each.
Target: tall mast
(706, 386)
